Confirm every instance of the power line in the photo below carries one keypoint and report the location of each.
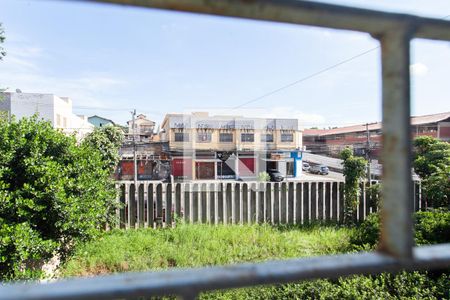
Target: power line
(309, 76)
(306, 77)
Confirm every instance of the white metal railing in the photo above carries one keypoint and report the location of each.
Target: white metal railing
(396, 252)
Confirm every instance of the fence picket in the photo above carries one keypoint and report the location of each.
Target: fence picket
(239, 203)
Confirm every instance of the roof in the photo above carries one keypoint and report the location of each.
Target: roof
(415, 120)
(95, 116)
(141, 117)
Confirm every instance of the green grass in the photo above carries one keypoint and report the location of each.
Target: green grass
(201, 245)
(205, 245)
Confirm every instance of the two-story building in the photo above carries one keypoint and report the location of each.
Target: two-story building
(230, 147)
(364, 137)
(56, 110)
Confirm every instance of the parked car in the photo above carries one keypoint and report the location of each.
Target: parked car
(319, 169)
(306, 167)
(275, 175)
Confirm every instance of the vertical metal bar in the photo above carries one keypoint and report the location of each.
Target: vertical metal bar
(396, 220)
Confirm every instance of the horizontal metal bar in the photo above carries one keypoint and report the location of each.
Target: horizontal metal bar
(192, 281)
(304, 13)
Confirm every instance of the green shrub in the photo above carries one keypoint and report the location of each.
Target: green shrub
(431, 227)
(263, 176)
(53, 193)
(367, 233)
(405, 285)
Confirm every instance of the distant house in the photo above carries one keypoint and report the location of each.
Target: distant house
(98, 121)
(143, 128)
(49, 107)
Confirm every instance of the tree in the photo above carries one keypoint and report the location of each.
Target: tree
(432, 164)
(2, 54)
(107, 140)
(354, 170)
(53, 194)
(2, 40)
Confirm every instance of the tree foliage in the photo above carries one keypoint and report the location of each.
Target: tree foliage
(107, 140)
(2, 40)
(432, 164)
(354, 170)
(53, 194)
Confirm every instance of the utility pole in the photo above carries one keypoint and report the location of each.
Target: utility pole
(133, 113)
(368, 153)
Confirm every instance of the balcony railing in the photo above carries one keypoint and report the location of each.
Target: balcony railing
(396, 251)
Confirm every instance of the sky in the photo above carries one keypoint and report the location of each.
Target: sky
(112, 59)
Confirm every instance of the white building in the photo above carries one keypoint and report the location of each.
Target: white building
(57, 110)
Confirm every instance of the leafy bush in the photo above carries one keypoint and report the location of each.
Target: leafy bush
(367, 233)
(354, 170)
(53, 193)
(107, 140)
(432, 164)
(405, 285)
(431, 227)
(263, 176)
(374, 193)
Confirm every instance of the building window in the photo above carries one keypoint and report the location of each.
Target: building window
(287, 137)
(247, 137)
(65, 122)
(267, 137)
(204, 137)
(181, 137)
(58, 120)
(226, 137)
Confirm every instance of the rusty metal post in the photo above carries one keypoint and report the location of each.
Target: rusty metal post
(396, 220)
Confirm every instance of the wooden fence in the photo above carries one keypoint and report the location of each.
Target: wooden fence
(239, 203)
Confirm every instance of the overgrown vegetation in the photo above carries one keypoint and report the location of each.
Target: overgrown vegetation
(202, 245)
(205, 245)
(354, 170)
(432, 164)
(53, 194)
(431, 227)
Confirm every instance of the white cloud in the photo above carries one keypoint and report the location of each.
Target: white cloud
(418, 69)
(22, 68)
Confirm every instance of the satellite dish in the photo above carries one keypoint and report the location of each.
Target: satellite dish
(18, 91)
